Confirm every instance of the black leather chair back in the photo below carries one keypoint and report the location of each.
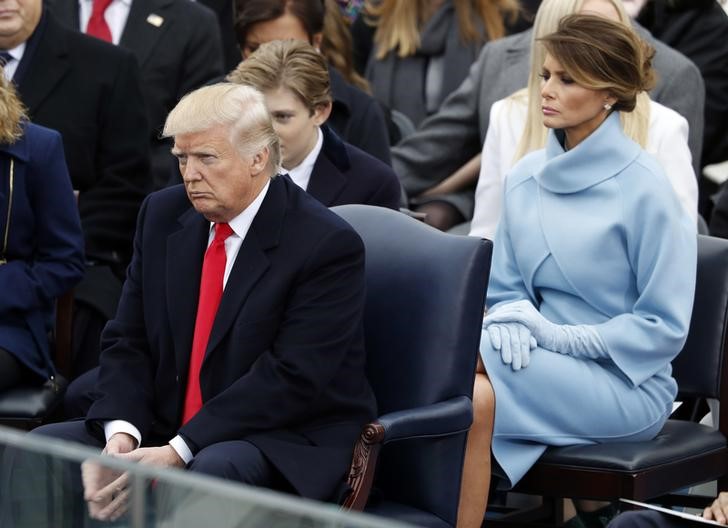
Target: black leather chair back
(425, 297)
(698, 367)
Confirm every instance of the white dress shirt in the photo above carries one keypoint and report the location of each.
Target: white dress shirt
(240, 226)
(115, 16)
(667, 141)
(301, 174)
(12, 65)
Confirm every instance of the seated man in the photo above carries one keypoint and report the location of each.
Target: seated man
(281, 395)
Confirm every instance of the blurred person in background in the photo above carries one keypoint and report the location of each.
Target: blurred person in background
(41, 243)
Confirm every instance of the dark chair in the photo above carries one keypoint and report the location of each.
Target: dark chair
(424, 309)
(684, 453)
(27, 407)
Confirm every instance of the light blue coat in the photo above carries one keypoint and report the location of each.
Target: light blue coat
(590, 236)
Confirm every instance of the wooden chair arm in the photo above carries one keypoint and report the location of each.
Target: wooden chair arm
(363, 466)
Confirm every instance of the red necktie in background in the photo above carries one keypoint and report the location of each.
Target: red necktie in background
(97, 26)
(213, 271)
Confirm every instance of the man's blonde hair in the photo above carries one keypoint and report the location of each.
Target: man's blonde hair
(241, 108)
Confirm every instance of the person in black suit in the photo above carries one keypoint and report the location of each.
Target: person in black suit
(90, 92)
(178, 47)
(355, 115)
(293, 77)
(281, 395)
(41, 244)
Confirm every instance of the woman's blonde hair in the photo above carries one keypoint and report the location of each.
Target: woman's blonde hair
(548, 17)
(400, 22)
(12, 112)
(291, 64)
(337, 47)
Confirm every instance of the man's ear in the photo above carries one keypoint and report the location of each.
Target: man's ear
(321, 113)
(259, 161)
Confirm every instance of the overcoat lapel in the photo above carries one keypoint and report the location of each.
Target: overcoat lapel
(327, 177)
(140, 35)
(185, 252)
(50, 65)
(251, 262)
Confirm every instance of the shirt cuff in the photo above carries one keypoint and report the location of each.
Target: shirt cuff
(182, 449)
(121, 426)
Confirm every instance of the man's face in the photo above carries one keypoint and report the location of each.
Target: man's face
(295, 124)
(219, 182)
(18, 20)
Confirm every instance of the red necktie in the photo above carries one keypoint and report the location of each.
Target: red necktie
(213, 271)
(97, 26)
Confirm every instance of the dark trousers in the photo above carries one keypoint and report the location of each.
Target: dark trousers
(36, 491)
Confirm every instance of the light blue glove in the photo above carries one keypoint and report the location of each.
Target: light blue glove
(514, 341)
(575, 340)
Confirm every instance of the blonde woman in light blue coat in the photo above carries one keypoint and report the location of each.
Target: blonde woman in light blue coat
(593, 272)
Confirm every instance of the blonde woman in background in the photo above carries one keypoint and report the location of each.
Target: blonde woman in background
(41, 244)
(423, 49)
(516, 126)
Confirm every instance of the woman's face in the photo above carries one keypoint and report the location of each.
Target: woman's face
(568, 106)
(286, 27)
(295, 125)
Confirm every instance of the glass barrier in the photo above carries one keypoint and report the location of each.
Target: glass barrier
(41, 487)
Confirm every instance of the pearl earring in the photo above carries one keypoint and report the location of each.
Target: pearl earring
(607, 107)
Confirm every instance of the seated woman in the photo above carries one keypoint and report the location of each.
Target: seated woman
(516, 128)
(294, 79)
(41, 244)
(593, 272)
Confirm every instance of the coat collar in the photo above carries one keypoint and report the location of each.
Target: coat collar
(19, 150)
(43, 64)
(185, 252)
(340, 92)
(519, 45)
(604, 153)
(328, 176)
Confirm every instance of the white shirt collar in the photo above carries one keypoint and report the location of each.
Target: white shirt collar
(301, 174)
(241, 223)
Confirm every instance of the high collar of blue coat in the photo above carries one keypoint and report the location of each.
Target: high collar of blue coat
(604, 153)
